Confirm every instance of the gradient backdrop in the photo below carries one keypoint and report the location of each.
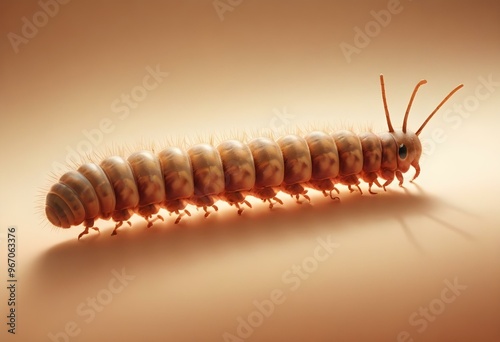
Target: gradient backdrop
(414, 264)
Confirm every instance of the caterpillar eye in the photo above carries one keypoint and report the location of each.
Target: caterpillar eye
(403, 151)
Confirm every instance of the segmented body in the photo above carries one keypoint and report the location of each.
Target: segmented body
(173, 178)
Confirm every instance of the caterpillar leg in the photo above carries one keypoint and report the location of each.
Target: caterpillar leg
(151, 221)
(176, 206)
(334, 188)
(352, 190)
(388, 175)
(205, 208)
(240, 209)
(204, 202)
(376, 182)
(271, 204)
(326, 194)
(417, 171)
(350, 181)
(148, 211)
(180, 215)
(88, 225)
(371, 178)
(118, 225)
(266, 195)
(121, 216)
(297, 197)
(326, 186)
(237, 199)
(400, 178)
(387, 184)
(296, 190)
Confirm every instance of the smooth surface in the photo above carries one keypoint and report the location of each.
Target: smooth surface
(268, 66)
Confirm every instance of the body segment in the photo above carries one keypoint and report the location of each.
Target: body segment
(239, 172)
(372, 158)
(298, 165)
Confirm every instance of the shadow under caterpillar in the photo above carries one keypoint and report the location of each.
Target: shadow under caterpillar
(146, 182)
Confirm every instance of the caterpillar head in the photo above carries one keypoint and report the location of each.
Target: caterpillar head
(408, 144)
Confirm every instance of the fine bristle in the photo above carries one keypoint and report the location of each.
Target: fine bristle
(185, 142)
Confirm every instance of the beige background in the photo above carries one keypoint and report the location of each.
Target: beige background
(266, 58)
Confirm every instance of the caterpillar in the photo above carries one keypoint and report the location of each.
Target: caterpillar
(173, 178)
